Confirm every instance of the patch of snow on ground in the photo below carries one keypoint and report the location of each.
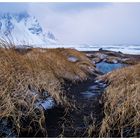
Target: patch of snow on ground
(48, 104)
(72, 59)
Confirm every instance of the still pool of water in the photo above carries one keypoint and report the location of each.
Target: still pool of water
(105, 67)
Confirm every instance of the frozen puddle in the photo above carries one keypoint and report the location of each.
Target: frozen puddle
(105, 67)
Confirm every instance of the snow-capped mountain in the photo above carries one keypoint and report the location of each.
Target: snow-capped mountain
(24, 29)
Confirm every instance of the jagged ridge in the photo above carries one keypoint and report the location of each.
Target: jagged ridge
(21, 28)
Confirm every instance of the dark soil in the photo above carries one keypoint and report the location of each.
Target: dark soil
(77, 121)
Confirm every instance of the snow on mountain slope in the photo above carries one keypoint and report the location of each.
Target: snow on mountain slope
(23, 29)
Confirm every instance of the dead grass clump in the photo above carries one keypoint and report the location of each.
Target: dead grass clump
(121, 103)
(24, 78)
(65, 69)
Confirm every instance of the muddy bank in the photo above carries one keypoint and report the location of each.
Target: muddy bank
(86, 96)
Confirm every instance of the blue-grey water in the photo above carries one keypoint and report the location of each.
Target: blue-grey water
(105, 67)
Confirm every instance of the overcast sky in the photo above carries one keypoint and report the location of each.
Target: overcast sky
(92, 23)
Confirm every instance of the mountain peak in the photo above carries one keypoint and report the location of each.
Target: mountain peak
(22, 28)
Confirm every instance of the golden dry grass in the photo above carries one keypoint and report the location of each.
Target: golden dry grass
(36, 71)
(122, 103)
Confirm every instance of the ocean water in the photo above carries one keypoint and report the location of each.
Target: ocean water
(127, 49)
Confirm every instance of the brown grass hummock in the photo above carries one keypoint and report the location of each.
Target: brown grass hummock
(35, 71)
(122, 103)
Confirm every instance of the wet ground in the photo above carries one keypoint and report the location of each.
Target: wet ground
(88, 111)
(87, 98)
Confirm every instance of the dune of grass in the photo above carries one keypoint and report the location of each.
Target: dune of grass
(122, 103)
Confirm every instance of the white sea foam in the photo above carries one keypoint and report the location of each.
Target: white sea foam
(132, 49)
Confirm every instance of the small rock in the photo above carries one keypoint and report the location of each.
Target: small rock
(101, 56)
(115, 61)
(96, 60)
(100, 49)
(89, 55)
